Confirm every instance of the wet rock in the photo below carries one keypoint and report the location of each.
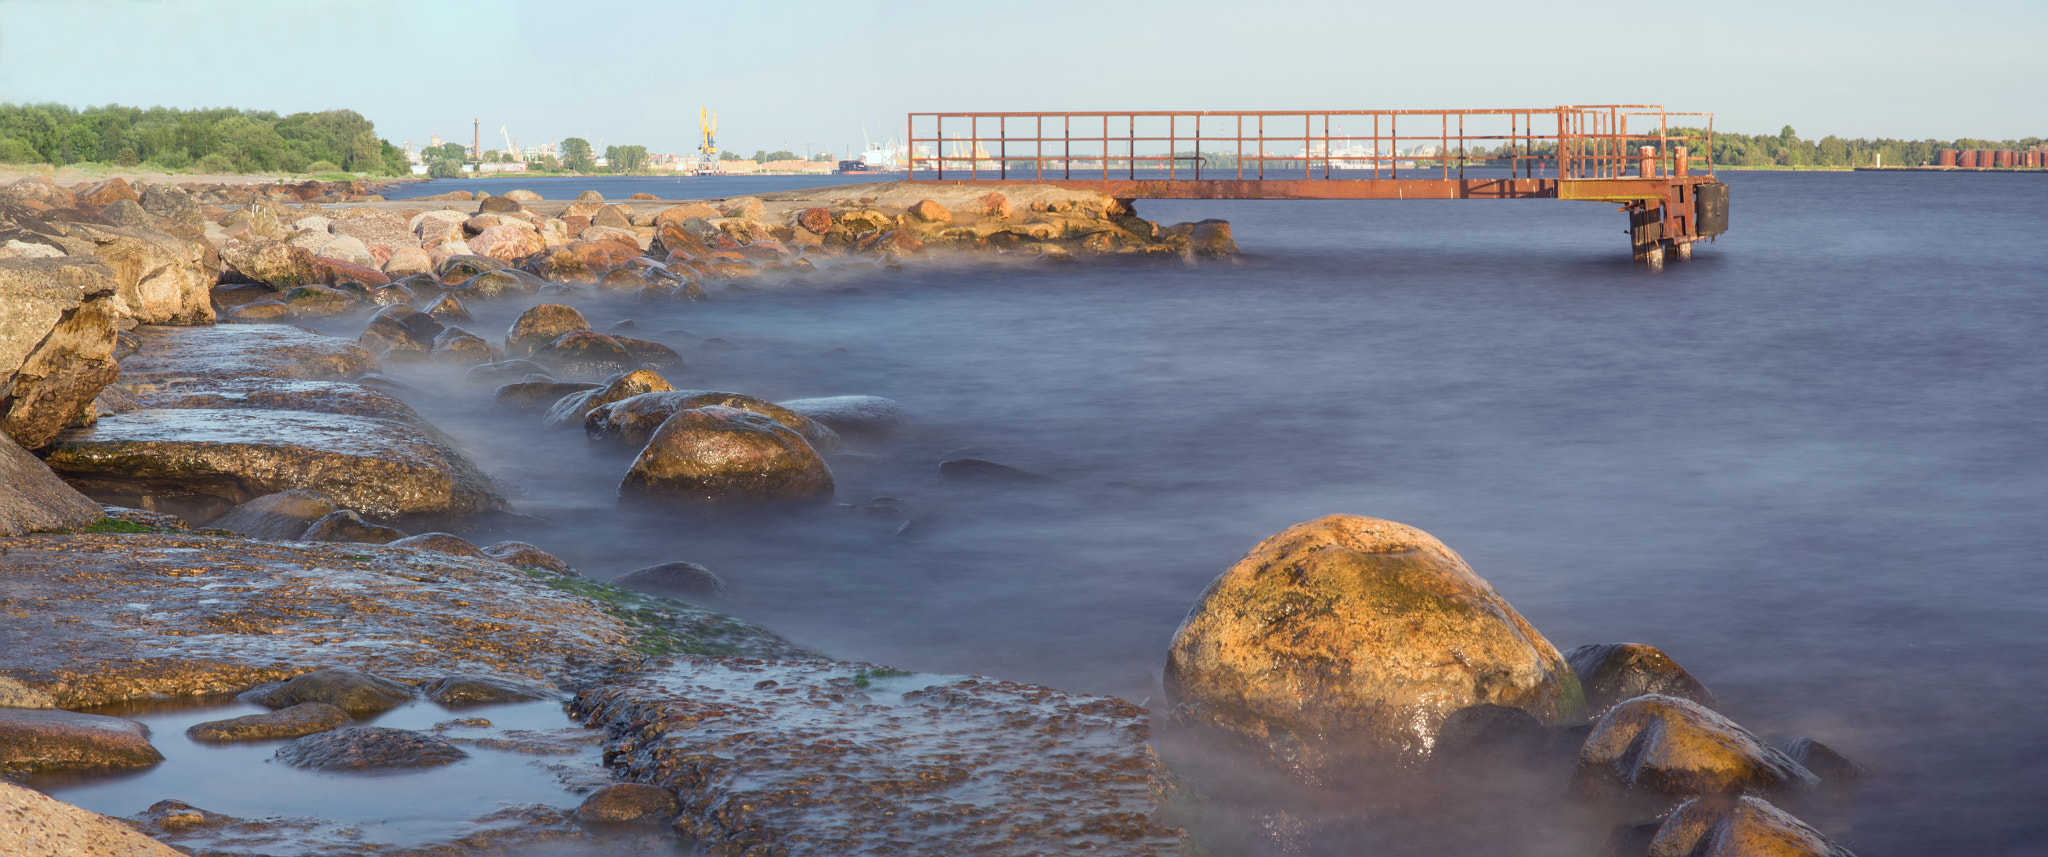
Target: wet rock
(685, 580)
(352, 691)
(449, 309)
(586, 354)
(407, 261)
(33, 740)
(629, 803)
(279, 394)
(817, 221)
(441, 542)
(854, 417)
(1651, 752)
(500, 284)
(305, 718)
(98, 619)
(525, 555)
(504, 371)
(400, 331)
(34, 500)
(148, 520)
(1612, 673)
(502, 204)
(984, 471)
(309, 302)
(345, 525)
(718, 456)
(541, 325)
(574, 409)
(210, 459)
(280, 265)
(263, 350)
(632, 420)
(462, 267)
(283, 515)
(1738, 827)
(1338, 647)
(459, 347)
(464, 691)
(652, 355)
(36, 825)
(340, 272)
(57, 336)
(363, 748)
(920, 767)
(1822, 760)
(14, 694)
(1207, 238)
(536, 396)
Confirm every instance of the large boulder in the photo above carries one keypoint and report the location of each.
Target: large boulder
(202, 461)
(720, 456)
(305, 718)
(541, 325)
(34, 500)
(1738, 827)
(105, 192)
(1652, 752)
(283, 515)
(57, 333)
(573, 409)
(36, 824)
(356, 692)
(278, 264)
(586, 354)
(360, 748)
(632, 420)
(246, 350)
(1612, 673)
(161, 278)
(33, 740)
(506, 242)
(1339, 646)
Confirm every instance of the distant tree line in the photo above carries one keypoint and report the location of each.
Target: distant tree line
(212, 140)
(1787, 149)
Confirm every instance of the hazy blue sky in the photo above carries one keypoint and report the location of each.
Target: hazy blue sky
(810, 72)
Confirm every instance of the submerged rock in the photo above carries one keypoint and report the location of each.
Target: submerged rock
(527, 397)
(919, 766)
(1339, 646)
(440, 542)
(361, 748)
(210, 459)
(1738, 827)
(345, 525)
(585, 354)
(854, 417)
(718, 456)
(1653, 751)
(184, 614)
(36, 824)
(283, 515)
(525, 555)
(353, 691)
(1614, 672)
(541, 325)
(464, 691)
(1823, 760)
(685, 580)
(629, 803)
(631, 420)
(982, 470)
(305, 718)
(574, 409)
(33, 740)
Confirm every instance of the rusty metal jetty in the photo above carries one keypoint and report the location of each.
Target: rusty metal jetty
(1639, 157)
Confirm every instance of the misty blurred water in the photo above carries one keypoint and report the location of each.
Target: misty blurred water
(1810, 464)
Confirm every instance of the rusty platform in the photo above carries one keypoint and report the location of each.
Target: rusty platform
(1587, 153)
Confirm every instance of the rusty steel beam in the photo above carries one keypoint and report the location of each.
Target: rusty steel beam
(1290, 188)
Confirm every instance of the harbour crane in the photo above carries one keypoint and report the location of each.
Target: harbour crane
(707, 124)
(511, 148)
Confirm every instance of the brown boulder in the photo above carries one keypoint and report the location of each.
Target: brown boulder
(506, 242)
(277, 264)
(537, 395)
(672, 239)
(541, 325)
(102, 193)
(719, 456)
(526, 556)
(815, 220)
(586, 354)
(1653, 751)
(33, 740)
(574, 409)
(362, 748)
(613, 217)
(41, 825)
(345, 525)
(685, 580)
(994, 204)
(1612, 673)
(34, 500)
(1339, 646)
(297, 721)
(631, 420)
(930, 211)
(162, 279)
(440, 543)
(686, 211)
(252, 350)
(1739, 827)
(56, 343)
(283, 515)
(331, 272)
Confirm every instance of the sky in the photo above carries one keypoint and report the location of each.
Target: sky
(805, 76)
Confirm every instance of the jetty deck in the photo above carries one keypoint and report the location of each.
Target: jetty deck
(1635, 156)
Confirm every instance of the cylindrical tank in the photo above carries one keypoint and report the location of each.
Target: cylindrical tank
(1966, 158)
(1984, 159)
(1945, 158)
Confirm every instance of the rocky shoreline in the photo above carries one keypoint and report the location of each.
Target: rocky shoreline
(204, 501)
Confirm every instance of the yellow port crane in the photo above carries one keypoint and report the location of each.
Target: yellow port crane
(707, 124)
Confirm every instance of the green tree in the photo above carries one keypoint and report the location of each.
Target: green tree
(443, 168)
(778, 155)
(452, 151)
(576, 155)
(625, 159)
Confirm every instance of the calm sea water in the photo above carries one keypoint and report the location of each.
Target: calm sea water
(1810, 464)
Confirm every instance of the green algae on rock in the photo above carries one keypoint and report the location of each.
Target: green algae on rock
(99, 619)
